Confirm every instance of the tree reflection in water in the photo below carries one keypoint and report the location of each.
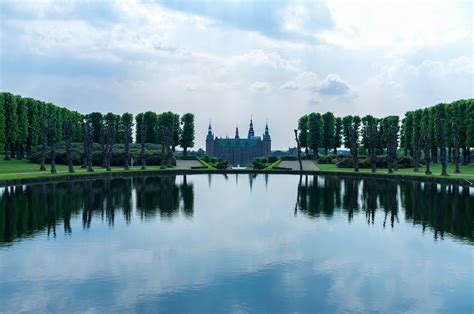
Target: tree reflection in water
(442, 208)
(27, 210)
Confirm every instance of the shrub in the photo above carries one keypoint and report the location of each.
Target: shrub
(272, 159)
(380, 161)
(153, 154)
(288, 158)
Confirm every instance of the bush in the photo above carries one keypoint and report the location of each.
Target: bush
(380, 161)
(327, 159)
(288, 158)
(187, 157)
(152, 155)
(272, 159)
(257, 164)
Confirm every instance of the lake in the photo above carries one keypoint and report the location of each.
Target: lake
(237, 243)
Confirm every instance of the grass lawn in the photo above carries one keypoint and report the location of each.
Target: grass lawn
(467, 171)
(19, 169)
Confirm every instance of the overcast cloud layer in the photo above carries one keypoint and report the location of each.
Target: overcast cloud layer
(226, 61)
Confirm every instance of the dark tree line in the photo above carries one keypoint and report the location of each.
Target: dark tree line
(26, 123)
(442, 133)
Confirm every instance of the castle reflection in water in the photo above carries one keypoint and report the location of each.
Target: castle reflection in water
(28, 210)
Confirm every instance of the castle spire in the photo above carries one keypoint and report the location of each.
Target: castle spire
(251, 131)
(210, 135)
(266, 135)
(237, 132)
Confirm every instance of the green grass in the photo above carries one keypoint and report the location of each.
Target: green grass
(205, 164)
(20, 169)
(467, 171)
(273, 165)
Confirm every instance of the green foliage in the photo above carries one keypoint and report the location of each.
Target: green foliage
(153, 154)
(315, 131)
(187, 135)
(2, 119)
(329, 128)
(303, 131)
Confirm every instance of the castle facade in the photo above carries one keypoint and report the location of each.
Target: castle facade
(239, 151)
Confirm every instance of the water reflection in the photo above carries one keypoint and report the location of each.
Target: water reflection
(25, 210)
(442, 208)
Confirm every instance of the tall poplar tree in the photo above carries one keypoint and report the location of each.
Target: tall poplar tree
(303, 133)
(315, 132)
(127, 123)
(329, 128)
(337, 135)
(11, 124)
(187, 136)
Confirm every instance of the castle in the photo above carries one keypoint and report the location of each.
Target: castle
(239, 151)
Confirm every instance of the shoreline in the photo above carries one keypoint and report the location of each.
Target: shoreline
(144, 173)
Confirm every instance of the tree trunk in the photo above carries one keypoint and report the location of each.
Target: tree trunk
(12, 150)
(185, 151)
(334, 151)
(7, 155)
(18, 155)
(127, 152)
(466, 157)
(434, 154)
(22, 152)
(450, 154)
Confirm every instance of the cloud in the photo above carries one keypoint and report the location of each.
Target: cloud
(332, 85)
(278, 19)
(262, 87)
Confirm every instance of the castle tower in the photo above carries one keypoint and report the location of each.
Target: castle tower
(237, 132)
(267, 141)
(251, 131)
(210, 141)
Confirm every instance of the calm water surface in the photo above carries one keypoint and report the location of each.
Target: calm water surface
(237, 244)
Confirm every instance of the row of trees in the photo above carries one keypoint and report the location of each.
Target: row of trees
(424, 134)
(26, 122)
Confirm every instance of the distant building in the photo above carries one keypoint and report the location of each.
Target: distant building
(239, 151)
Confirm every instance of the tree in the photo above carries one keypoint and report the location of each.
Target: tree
(127, 123)
(22, 127)
(67, 124)
(2, 122)
(469, 143)
(44, 144)
(455, 133)
(353, 145)
(303, 133)
(34, 127)
(346, 125)
(440, 117)
(392, 142)
(11, 124)
(369, 138)
(315, 130)
(337, 135)
(298, 149)
(109, 138)
(177, 132)
(329, 128)
(96, 125)
(416, 125)
(52, 144)
(406, 137)
(425, 135)
(88, 144)
(187, 136)
(142, 137)
(150, 123)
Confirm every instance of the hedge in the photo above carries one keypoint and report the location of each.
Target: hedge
(153, 154)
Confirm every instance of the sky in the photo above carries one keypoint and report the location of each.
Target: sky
(226, 61)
